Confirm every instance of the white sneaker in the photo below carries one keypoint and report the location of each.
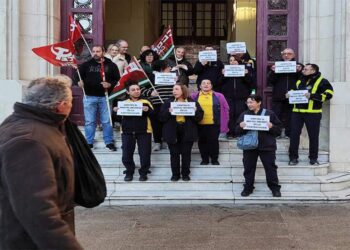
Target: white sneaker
(157, 147)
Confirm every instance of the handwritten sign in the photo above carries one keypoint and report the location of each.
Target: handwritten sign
(165, 78)
(298, 97)
(183, 108)
(234, 70)
(285, 67)
(235, 48)
(129, 108)
(256, 122)
(208, 55)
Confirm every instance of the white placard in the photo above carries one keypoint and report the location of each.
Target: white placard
(165, 78)
(256, 122)
(183, 108)
(208, 55)
(237, 47)
(129, 108)
(286, 67)
(298, 96)
(234, 70)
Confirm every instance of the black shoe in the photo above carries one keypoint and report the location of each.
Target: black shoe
(314, 162)
(215, 162)
(143, 178)
(128, 177)
(91, 146)
(293, 162)
(111, 147)
(276, 193)
(246, 192)
(186, 178)
(175, 178)
(204, 163)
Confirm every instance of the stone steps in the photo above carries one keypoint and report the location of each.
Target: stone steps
(302, 169)
(212, 184)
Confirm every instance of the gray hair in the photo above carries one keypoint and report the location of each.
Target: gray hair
(117, 43)
(47, 92)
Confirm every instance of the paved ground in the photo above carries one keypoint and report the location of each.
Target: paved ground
(320, 226)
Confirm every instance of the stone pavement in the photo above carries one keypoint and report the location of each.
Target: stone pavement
(313, 226)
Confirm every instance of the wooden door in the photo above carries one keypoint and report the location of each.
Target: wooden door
(277, 28)
(90, 14)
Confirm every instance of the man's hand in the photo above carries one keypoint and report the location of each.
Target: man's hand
(269, 125)
(106, 85)
(287, 95)
(145, 108)
(115, 109)
(204, 62)
(81, 84)
(273, 67)
(307, 95)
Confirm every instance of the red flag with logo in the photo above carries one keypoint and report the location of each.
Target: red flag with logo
(134, 72)
(164, 46)
(58, 54)
(74, 30)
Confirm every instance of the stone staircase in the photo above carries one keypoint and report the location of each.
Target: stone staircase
(220, 184)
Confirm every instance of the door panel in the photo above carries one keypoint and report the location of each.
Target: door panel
(277, 28)
(89, 13)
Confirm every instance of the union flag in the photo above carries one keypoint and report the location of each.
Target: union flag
(134, 72)
(58, 54)
(75, 32)
(164, 46)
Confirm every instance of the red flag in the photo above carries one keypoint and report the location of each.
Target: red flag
(74, 30)
(134, 72)
(164, 46)
(59, 54)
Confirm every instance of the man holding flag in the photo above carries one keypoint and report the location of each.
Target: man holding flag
(98, 76)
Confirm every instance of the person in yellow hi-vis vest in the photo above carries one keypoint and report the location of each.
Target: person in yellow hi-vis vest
(318, 91)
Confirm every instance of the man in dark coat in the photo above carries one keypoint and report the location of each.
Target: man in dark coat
(281, 84)
(36, 171)
(180, 65)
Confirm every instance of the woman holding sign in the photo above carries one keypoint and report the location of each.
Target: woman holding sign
(237, 85)
(268, 127)
(180, 116)
(214, 122)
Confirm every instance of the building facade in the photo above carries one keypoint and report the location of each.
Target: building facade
(318, 29)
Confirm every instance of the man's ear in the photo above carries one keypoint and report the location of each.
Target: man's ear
(60, 107)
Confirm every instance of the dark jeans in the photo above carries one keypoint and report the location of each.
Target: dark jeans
(144, 142)
(312, 122)
(157, 126)
(283, 110)
(237, 107)
(183, 149)
(208, 142)
(250, 158)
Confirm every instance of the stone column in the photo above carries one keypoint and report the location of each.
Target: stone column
(27, 24)
(324, 27)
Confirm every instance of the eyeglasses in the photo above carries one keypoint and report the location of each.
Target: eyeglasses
(286, 53)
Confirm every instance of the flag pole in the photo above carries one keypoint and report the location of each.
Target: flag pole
(82, 82)
(106, 92)
(177, 63)
(161, 100)
(82, 36)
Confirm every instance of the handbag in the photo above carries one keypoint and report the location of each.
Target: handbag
(249, 140)
(90, 184)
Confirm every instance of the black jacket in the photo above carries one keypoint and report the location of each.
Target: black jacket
(211, 71)
(90, 72)
(323, 92)
(238, 87)
(169, 126)
(267, 139)
(184, 74)
(282, 83)
(138, 124)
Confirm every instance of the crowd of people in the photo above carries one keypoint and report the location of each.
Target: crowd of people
(41, 192)
(221, 103)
